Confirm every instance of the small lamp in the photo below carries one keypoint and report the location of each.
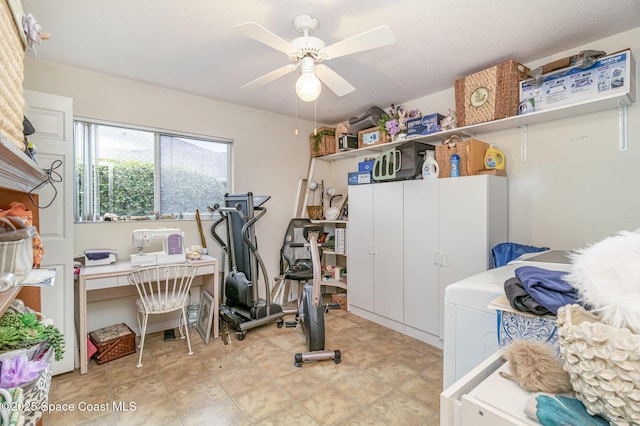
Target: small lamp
(331, 192)
(315, 212)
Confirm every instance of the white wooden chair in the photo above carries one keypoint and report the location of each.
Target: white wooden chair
(162, 289)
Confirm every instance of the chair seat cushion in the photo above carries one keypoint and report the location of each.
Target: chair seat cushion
(299, 275)
(301, 270)
(156, 305)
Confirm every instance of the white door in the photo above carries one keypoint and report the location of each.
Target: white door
(421, 301)
(52, 118)
(360, 247)
(388, 296)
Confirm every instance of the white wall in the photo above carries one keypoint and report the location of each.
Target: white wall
(268, 158)
(575, 186)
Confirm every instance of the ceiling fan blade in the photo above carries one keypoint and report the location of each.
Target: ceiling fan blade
(376, 37)
(337, 84)
(259, 33)
(269, 77)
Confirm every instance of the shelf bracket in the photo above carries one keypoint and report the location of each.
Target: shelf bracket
(623, 142)
(523, 143)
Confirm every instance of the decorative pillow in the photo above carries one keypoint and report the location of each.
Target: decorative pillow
(606, 277)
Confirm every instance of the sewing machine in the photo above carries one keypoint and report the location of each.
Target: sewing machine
(172, 246)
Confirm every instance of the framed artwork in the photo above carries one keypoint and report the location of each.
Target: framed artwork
(205, 316)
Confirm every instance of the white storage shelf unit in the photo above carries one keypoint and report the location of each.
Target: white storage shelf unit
(336, 257)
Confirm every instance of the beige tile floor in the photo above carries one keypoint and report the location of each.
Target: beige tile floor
(385, 378)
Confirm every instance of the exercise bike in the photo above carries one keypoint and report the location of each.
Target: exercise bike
(310, 311)
(242, 308)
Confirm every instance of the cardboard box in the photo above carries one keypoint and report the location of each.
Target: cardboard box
(493, 172)
(372, 136)
(613, 74)
(340, 298)
(424, 125)
(366, 166)
(359, 178)
(475, 161)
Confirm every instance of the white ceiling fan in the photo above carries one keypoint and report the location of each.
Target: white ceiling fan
(307, 52)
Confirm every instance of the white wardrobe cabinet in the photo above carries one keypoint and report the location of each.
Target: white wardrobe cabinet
(375, 241)
(473, 219)
(408, 240)
(422, 256)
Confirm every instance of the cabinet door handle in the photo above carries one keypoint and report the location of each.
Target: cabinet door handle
(375, 248)
(443, 259)
(436, 258)
(370, 248)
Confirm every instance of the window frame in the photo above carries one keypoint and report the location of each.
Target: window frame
(157, 133)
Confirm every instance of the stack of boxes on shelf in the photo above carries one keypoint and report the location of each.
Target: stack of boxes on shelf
(363, 175)
(609, 75)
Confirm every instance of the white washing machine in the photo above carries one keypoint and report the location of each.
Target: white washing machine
(470, 327)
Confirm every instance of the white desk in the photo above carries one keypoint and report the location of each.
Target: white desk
(110, 281)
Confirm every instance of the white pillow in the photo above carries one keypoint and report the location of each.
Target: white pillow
(607, 278)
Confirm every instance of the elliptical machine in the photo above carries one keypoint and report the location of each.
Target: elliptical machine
(310, 311)
(242, 308)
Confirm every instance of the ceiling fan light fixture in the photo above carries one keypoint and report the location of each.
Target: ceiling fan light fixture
(308, 87)
(307, 52)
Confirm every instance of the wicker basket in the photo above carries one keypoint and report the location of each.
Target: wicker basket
(315, 212)
(452, 145)
(503, 85)
(113, 342)
(322, 143)
(603, 363)
(11, 77)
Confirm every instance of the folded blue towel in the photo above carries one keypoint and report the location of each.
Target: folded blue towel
(97, 255)
(561, 411)
(547, 287)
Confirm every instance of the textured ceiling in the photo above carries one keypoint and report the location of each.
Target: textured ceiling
(192, 46)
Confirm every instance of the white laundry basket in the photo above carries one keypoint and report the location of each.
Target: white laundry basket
(603, 363)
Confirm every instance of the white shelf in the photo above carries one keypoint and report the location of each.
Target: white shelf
(334, 283)
(330, 221)
(7, 297)
(331, 252)
(518, 121)
(17, 171)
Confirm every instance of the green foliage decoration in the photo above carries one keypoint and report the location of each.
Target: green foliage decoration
(317, 138)
(24, 330)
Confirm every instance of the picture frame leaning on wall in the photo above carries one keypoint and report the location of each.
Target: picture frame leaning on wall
(205, 316)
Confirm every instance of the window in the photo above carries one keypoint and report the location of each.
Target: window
(133, 172)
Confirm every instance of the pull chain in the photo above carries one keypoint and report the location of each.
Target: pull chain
(295, 132)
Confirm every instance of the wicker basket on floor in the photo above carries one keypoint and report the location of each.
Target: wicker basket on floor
(113, 342)
(603, 363)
